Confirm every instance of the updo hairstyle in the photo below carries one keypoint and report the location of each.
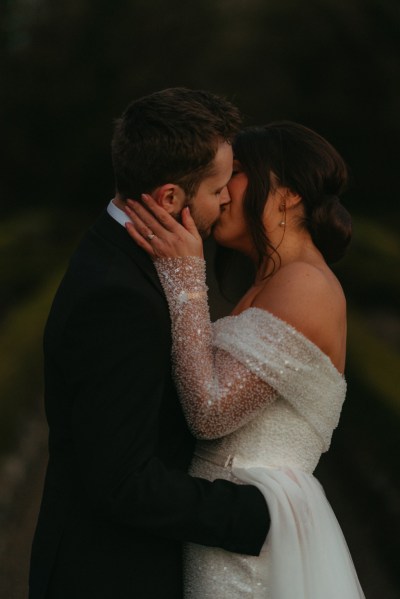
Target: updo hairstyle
(309, 166)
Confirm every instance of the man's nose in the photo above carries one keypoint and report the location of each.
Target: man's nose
(224, 197)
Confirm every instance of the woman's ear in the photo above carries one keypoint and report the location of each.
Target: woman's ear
(288, 197)
(169, 196)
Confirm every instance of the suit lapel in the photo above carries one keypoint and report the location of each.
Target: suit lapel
(115, 233)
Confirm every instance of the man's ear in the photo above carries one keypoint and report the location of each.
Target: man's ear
(170, 196)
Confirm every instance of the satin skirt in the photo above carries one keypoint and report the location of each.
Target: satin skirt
(305, 555)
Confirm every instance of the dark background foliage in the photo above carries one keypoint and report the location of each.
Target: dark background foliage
(68, 69)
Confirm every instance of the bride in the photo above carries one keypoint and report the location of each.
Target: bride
(262, 389)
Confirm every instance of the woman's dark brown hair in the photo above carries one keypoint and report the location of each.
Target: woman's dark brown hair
(309, 166)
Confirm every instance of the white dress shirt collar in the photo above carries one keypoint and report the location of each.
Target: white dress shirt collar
(117, 214)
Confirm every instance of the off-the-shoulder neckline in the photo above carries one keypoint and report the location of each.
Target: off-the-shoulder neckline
(305, 339)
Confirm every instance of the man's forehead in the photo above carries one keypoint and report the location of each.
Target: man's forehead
(224, 157)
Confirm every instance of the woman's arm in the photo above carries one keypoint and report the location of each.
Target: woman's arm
(218, 393)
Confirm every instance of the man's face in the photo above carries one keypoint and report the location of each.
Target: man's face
(232, 230)
(205, 206)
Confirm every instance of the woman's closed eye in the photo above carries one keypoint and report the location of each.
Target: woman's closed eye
(236, 168)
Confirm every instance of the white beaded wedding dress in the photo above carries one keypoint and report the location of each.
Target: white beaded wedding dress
(263, 401)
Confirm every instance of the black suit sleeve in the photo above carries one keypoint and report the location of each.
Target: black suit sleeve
(116, 358)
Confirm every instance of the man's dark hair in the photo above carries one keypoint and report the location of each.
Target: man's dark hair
(170, 136)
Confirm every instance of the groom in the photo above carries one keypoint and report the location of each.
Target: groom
(117, 503)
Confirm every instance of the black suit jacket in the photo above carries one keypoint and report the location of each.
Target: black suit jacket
(117, 502)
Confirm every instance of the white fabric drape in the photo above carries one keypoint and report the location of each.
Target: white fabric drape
(308, 555)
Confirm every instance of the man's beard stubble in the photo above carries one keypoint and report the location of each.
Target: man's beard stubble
(203, 228)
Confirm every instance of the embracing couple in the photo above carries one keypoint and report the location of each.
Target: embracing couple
(181, 452)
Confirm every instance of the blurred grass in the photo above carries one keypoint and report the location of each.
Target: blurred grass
(370, 274)
(374, 361)
(21, 363)
(34, 247)
(32, 244)
(370, 271)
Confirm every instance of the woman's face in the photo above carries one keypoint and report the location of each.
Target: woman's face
(231, 229)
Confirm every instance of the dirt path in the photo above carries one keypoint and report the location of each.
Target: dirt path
(21, 481)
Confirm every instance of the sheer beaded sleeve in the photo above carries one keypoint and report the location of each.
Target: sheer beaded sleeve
(284, 358)
(227, 371)
(218, 393)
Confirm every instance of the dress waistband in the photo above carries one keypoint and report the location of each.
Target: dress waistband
(225, 461)
(228, 461)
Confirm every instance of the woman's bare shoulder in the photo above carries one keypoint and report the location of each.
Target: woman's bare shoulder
(309, 298)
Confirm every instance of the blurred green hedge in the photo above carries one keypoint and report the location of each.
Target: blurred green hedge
(34, 249)
(21, 380)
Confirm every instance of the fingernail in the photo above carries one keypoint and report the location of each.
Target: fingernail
(133, 206)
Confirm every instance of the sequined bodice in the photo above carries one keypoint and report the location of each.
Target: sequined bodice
(251, 386)
(277, 437)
